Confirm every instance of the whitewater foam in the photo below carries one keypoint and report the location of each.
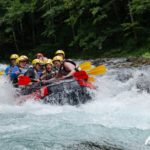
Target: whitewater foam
(119, 112)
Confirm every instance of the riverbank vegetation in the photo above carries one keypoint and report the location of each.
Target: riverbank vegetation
(83, 28)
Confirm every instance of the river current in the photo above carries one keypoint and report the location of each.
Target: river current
(118, 117)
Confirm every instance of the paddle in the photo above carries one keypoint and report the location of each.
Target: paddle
(86, 65)
(1, 73)
(91, 79)
(97, 70)
(82, 75)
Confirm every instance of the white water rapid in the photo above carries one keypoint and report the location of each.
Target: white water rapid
(117, 117)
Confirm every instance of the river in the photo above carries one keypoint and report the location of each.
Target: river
(118, 117)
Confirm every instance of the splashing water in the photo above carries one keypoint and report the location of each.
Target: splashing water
(118, 116)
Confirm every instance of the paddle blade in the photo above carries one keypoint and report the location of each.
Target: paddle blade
(86, 65)
(81, 75)
(98, 70)
(1, 73)
(24, 80)
(91, 79)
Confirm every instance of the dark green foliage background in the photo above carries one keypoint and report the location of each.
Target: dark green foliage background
(83, 28)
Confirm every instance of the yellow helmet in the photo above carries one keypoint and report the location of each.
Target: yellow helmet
(14, 56)
(49, 61)
(17, 61)
(42, 62)
(60, 52)
(45, 60)
(21, 58)
(36, 61)
(25, 57)
(59, 58)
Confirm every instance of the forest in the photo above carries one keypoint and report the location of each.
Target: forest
(83, 28)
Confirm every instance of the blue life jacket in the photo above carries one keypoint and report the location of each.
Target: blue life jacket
(8, 70)
(16, 71)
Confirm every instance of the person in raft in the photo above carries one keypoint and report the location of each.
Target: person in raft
(66, 68)
(9, 68)
(35, 72)
(19, 69)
